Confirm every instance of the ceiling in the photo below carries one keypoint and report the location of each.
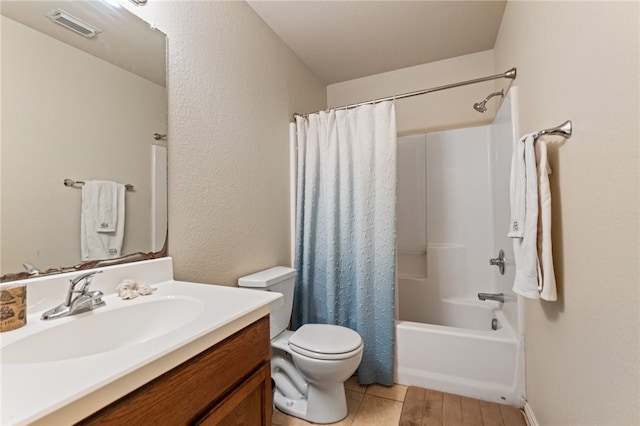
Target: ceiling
(337, 40)
(125, 41)
(343, 40)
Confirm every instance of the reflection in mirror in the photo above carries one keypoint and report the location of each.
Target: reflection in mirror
(80, 108)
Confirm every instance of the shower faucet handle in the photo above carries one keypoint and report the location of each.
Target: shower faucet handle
(498, 261)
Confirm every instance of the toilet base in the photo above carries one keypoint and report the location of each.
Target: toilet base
(328, 404)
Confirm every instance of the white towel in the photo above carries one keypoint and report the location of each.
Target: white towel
(95, 242)
(104, 196)
(524, 224)
(546, 279)
(517, 189)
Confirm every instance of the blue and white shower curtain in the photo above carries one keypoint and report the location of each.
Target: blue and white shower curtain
(345, 228)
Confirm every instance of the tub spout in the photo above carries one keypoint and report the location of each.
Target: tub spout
(498, 297)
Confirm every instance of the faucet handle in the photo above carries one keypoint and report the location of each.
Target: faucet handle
(498, 261)
(87, 278)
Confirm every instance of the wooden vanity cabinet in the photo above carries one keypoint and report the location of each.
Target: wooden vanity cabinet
(228, 384)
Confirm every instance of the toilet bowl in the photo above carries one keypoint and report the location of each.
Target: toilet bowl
(308, 366)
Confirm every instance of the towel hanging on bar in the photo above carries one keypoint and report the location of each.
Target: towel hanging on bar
(102, 220)
(71, 182)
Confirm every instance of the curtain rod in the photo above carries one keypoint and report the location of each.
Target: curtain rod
(508, 74)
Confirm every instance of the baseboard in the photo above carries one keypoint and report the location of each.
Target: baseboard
(529, 417)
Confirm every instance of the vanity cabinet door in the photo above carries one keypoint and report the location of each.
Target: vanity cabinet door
(249, 404)
(226, 378)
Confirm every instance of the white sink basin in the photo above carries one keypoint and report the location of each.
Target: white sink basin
(63, 370)
(104, 330)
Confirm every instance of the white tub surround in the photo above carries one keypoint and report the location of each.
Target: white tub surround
(57, 388)
(453, 216)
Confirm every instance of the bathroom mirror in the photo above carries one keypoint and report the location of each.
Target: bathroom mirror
(79, 108)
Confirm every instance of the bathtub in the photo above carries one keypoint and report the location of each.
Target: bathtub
(454, 349)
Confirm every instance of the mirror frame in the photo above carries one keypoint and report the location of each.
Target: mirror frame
(133, 257)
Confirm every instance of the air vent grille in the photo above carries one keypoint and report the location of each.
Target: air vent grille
(71, 22)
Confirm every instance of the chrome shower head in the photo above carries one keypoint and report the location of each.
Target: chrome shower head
(482, 105)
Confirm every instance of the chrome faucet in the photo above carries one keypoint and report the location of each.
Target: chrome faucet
(85, 300)
(32, 270)
(498, 297)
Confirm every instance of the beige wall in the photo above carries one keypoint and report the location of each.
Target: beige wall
(579, 61)
(233, 87)
(437, 111)
(67, 114)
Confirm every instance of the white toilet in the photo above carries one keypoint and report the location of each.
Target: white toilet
(309, 366)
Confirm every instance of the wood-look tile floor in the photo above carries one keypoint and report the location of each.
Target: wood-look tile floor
(423, 407)
(376, 405)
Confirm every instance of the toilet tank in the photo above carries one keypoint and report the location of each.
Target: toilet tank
(281, 280)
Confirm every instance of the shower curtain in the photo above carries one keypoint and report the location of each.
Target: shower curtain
(345, 228)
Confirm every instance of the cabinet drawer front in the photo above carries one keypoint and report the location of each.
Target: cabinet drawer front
(184, 393)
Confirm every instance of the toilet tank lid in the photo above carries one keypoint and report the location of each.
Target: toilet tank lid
(267, 277)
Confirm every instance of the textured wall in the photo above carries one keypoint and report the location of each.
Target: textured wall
(579, 61)
(233, 86)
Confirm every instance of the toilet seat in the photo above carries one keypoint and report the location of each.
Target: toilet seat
(325, 342)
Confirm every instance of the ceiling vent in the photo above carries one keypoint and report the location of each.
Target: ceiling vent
(74, 24)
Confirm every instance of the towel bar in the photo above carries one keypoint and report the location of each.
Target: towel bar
(71, 182)
(563, 130)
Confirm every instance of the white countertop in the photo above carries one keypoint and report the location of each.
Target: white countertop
(65, 391)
